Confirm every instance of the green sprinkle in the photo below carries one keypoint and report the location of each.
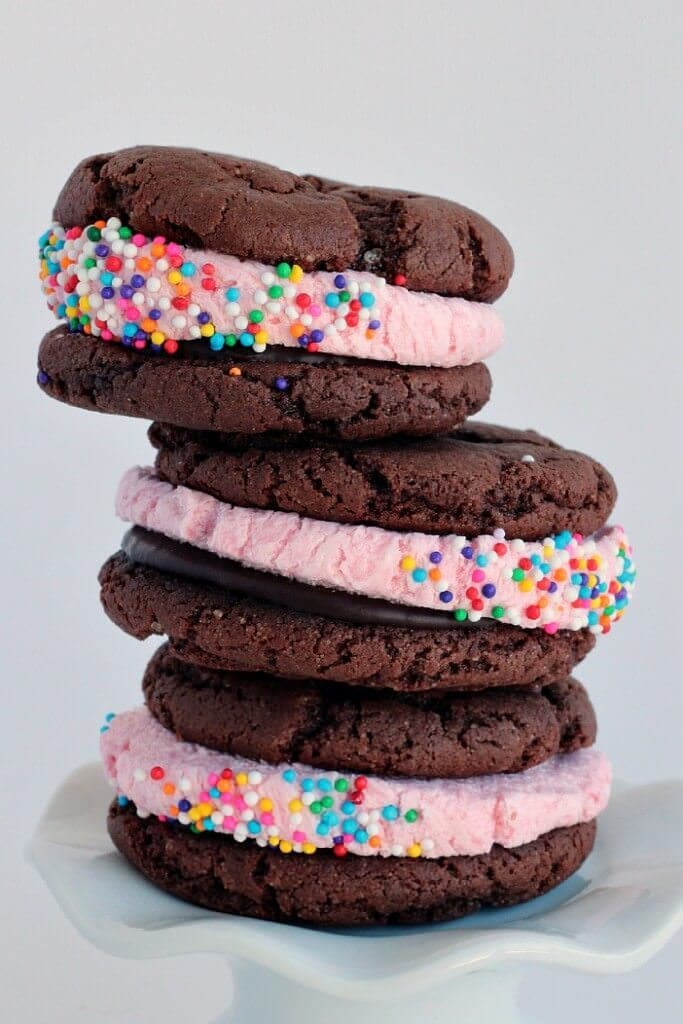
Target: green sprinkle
(327, 802)
(344, 296)
(497, 611)
(518, 574)
(125, 232)
(94, 234)
(256, 316)
(283, 270)
(90, 262)
(275, 291)
(316, 807)
(411, 816)
(460, 614)
(341, 785)
(230, 340)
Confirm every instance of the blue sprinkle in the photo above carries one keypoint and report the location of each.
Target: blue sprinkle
(367, 299)
(331, 300)
(253, 828)
(361, 836)
(246, 339)
(348, 808)
(289, 775)
(307, 785)
(188, 270)
(232, 294)
(390, 812)
(349, 826)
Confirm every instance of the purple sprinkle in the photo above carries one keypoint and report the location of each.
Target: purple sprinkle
(317, 336)
(43, 378)
(488, 590)
(446, 596)
(126, 291)
(552, 587)
(435, 557)
(375, 324)
(137, 280)
(107, 293)
(338, 840)
(340, 281)
(101, 249)
(281, 383)
(155, 314)
(467, 552)
(203, 318)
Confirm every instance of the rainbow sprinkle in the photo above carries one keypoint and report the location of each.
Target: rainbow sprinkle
(229, 802)
(112, 283)
(564, 570)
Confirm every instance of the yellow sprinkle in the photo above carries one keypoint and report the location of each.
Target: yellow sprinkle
(548, 553)
(241, 779)
(296, 273)
(175, 277)
(295, 806)
(205, 810)
(408, 563)
(194, 814)
(207, 330)
(261, 337)
(308, 848)
(157, 337)
(414, 850)
(526, 585)
(274, 840)
(266, 804)
(285, 846)
(84, 303)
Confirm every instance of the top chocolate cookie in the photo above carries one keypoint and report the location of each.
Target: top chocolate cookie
(255, 211)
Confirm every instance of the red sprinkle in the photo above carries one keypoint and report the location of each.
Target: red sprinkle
(179, 302)
(208, 269)
(170, 346)
(399, 279)
(113, 263)
(208, 284)
(303, 301)
(157, 773)
(339, 850)
(361, 782)
(533, 611)
(226, 773)
(500, 549)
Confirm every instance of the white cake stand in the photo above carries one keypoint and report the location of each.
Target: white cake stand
(617, 912)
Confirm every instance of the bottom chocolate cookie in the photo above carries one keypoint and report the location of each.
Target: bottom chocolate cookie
(215, 872)
(213, 627)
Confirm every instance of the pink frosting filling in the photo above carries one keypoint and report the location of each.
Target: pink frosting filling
(283, 805)
(564, 582)
(415, 328)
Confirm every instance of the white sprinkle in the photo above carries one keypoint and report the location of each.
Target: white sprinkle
(254, 778)
(233, 308)
(528, 458)
(164, 303)
(153, 284)
(241, 323)
(260, 297)
(268, 278)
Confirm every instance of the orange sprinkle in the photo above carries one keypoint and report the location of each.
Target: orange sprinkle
(143, 263)
(158, 250)
(435, 574)
(296, 330)
(235, 371)
(169, 788)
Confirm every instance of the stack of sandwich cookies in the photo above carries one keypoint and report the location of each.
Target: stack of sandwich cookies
(363, 711)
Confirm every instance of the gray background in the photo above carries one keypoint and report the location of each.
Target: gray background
(559, 122)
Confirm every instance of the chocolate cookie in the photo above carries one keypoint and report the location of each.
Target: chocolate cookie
(218, 873)
(255, 211)
(439, 735)
(285, 390)
(477, 479)
(211, 626)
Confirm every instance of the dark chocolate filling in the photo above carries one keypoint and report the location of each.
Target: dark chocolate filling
(159, 552)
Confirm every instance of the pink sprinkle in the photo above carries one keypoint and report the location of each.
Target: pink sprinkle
(226, 798)
(204, 797)
(106, 335)
(212, 779)
(267, 818)
(347, 838)
(138, 240)
(550, 627)
(139, 344)
(229, 823)
(314, 309)
(158, 240)
(173, 249)
(132, 313)
(298, 836)
(478, 575)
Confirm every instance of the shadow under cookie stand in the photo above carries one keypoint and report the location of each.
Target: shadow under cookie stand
(617, 912)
